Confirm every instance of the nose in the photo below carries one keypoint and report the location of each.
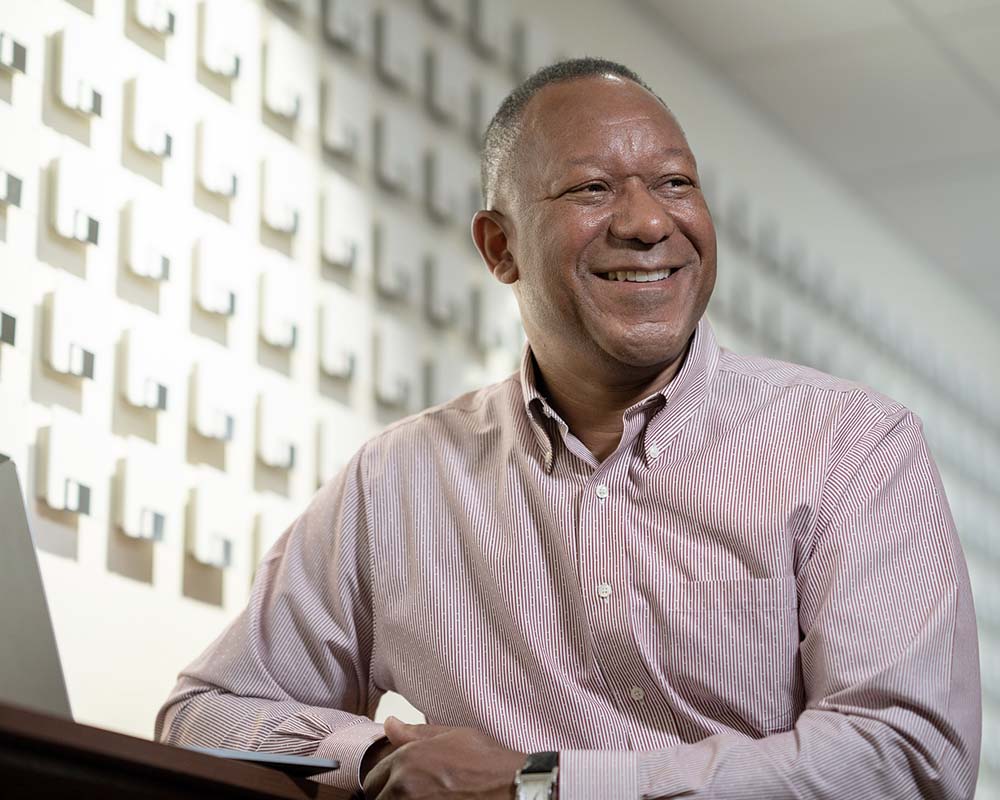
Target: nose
(640, 215)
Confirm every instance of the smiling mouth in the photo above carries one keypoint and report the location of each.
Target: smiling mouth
(638, 276)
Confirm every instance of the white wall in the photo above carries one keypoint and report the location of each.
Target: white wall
(129, 612)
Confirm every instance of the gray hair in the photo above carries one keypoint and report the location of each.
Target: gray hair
(504, 129)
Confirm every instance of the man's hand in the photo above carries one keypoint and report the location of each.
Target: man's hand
(438, 761)
(378, 751)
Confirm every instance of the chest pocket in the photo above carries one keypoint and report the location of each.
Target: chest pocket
(729, 654)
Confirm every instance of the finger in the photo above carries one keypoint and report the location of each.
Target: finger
(400, 732)
(378, 776)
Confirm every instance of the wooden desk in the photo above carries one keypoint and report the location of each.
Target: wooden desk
(46, 757)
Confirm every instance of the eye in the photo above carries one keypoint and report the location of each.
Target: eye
(591, 187)
(676, 183)
(674, 187)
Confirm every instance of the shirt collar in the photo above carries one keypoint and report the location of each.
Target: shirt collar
(672, 405)
(537, 407)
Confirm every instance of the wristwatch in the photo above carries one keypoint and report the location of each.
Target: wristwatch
(536, 780)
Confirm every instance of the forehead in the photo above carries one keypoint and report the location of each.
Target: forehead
(609, 114)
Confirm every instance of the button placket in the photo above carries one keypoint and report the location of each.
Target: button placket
(608, 612)
(609, 606)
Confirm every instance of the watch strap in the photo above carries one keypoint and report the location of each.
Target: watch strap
(544, 761)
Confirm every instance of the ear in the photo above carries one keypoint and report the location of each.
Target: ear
(489, 232)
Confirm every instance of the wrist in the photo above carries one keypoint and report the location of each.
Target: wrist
(375, 753)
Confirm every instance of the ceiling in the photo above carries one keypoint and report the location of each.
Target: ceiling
(900, 98)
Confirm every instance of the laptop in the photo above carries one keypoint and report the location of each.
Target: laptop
(31, 673)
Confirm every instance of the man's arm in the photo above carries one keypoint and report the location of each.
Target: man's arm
(291, 672)
(889, 657)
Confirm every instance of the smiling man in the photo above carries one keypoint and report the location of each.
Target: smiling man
(598, 222)
(642, 566)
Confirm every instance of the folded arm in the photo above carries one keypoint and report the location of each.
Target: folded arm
(291, 673)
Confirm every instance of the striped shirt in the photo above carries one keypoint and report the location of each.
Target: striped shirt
(759, 594)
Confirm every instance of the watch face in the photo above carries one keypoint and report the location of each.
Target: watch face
(535, 787)
(537, 778)
(534, 779)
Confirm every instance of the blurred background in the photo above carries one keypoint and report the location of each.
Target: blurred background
(234, 243)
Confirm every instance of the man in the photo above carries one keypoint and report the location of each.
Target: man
(660, 567)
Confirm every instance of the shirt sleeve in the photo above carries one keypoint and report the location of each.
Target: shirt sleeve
(291, 673)
(889, 656)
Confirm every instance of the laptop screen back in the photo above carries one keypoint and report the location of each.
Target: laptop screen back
(30, 672)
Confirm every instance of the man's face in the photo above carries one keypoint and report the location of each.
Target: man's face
(605, 188)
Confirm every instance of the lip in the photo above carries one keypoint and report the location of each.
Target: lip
(649, 284)
(629, 268)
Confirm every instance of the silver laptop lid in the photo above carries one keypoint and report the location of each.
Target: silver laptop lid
(30, 672)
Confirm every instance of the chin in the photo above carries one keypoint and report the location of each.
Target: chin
(650, 340)
(643, 352)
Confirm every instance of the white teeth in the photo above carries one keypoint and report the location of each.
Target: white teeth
(638, 276)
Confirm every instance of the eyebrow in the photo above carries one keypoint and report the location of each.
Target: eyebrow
(669, 152)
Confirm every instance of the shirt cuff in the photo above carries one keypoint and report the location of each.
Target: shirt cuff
(598, 775)
(348, 745)
(682, 770)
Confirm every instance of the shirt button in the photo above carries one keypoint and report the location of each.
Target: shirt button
(637, 694)
(604, 590)
(654, 451)
(601, 491)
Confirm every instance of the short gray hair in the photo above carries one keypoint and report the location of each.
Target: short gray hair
(504, 129)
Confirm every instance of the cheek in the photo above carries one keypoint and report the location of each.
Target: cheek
(699, 231)
(592, 228)
(698, 222)
(564, 237)
(705, 243)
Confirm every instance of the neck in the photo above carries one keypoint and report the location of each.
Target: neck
(592, 402)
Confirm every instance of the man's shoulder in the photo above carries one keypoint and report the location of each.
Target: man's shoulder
(477, 412)
(771, 378)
